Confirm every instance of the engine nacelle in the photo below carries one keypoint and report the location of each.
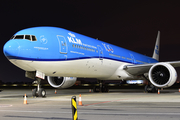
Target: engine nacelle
(61, 82)
(162, 75)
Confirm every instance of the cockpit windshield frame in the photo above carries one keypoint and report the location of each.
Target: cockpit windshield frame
(26, 37)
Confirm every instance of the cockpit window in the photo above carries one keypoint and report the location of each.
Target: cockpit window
(27, 37)
(12, 37)
(34, 38)
(19, 37)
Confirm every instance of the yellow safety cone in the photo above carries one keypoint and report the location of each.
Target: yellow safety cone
(25, 99)
(80, 101)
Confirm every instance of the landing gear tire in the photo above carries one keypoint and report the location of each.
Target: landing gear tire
(96, 89)
(34, 94)
(150, 88)
(103, 89)
(40, 93)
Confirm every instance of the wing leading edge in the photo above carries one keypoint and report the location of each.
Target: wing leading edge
(144, 68)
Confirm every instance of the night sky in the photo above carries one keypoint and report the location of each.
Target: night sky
(131, 24)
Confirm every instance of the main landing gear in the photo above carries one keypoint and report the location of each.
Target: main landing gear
(38, 92)
(150, 88)
(101, 87)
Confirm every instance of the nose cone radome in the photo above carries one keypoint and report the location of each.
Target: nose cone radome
(11, 49)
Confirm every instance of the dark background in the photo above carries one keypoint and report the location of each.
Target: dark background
(131, 24)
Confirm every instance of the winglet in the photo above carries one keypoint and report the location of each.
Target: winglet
(157, 47)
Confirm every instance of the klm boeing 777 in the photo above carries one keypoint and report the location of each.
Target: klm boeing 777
(63, 56)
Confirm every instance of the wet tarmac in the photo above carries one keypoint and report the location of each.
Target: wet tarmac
(117, 104)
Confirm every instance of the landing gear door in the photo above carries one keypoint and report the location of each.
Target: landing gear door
(62, 44)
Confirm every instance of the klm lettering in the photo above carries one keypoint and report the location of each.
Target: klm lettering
(74, 40)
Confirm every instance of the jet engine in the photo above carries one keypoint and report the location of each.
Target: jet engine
(61, 82)
(162, 75)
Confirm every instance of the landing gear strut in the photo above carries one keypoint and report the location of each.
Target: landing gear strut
(38, 92)
(101, 87)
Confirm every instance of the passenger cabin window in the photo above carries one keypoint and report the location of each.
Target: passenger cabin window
(27, 37)
(84, 48)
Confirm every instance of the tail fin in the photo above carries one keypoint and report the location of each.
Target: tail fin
(157, 47)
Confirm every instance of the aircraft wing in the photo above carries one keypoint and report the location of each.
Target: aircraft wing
(144, 68)
(174, 63)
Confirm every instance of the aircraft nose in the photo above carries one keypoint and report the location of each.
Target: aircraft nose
(11, 49)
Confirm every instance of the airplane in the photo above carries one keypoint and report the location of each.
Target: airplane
(63, 56)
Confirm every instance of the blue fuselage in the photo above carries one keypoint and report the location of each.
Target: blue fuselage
(59, 52)
(57, 44)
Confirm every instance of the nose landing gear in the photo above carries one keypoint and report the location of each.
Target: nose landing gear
(38, 92)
